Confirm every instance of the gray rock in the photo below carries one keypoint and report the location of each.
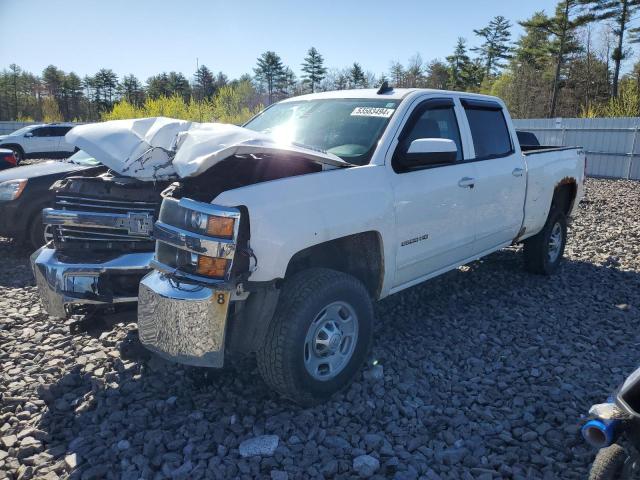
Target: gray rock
(264, 445)
(279, 475)
(375, 373)
(366, 465)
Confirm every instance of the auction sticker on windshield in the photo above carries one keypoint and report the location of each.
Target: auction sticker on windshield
(372, 112)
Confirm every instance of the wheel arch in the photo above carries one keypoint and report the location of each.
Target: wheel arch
(564, 195)
(360, 255)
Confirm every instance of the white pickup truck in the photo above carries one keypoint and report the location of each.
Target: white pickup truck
(278, 243)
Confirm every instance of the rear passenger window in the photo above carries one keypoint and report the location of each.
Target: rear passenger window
(489, 131)
(60, 131)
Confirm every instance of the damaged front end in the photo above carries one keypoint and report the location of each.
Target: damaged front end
(102, 243)
(184, 303)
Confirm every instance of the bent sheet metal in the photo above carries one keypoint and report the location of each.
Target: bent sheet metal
(161, 148)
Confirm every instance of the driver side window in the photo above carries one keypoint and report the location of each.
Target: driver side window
(436, 123)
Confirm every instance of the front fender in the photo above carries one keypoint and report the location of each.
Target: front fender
(291, 214)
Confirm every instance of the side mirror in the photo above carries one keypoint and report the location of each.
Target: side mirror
(28, 134)
(429, 151)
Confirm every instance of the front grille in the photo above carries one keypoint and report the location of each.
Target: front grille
(118, 224)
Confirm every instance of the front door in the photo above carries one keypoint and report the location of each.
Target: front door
(42, 141)
(433, 205)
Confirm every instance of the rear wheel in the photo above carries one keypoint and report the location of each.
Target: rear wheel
(543, 252)
(609, 463)
(319, 336)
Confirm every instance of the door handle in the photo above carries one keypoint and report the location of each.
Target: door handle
(466, 182)
(517, 172)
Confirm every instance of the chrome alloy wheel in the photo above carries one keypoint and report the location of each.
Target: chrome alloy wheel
(330, 341)
(555, 242)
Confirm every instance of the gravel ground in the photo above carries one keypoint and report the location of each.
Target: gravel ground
(482, 373)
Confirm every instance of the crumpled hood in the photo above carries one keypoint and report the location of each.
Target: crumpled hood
(161, 148)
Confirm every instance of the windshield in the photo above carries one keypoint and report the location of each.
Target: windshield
(348, 128)
(83, 158)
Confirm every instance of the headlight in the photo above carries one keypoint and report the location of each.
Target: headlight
(219, 227)
(11, 189)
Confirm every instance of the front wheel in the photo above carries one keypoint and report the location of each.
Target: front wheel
(544, 251)
(319, 336)
(609, 463)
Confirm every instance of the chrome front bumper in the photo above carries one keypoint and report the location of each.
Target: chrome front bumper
(183, 322)
(62, 285)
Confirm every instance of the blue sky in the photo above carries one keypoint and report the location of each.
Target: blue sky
(145, 37)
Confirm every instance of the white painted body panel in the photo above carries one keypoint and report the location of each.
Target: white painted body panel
(291, 214)
(462, 224)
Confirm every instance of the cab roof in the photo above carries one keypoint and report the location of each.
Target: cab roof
(372, 93)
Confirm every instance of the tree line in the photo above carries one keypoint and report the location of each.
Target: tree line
(565, 63)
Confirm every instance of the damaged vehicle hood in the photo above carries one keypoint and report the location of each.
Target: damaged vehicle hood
(163, 148)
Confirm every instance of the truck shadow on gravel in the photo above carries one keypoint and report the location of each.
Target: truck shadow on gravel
(487, 369)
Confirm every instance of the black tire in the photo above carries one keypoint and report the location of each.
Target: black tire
(281, 359)
(35, 235)
(537, 257)
(608, 463)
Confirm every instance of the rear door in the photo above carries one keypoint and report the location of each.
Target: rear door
(500, 186)
(62, 145)
(433, 204)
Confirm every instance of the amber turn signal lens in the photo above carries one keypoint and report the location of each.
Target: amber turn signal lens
(220, 227)
(212, 267)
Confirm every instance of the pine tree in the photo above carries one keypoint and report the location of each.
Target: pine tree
(621, 13)
(204, 85)
(437, 75)
(314, 69)
(562, 26)
(356, 76)
(495, 46)
(459, 66)
(158, 86)
(179, 85)
(269, 71)
(130, 89)
(397, 74)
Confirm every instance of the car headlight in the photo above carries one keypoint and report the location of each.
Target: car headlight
(219, 227)
(12, 189)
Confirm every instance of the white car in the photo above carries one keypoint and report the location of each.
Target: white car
(275, 238)
(39, 141)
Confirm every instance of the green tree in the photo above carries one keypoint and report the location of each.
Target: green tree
(105, 83)
(179, 85)
(356, 76)
(437, 75)
(131, 90)
(495, 45)
(459, 66)
(621, 13)
(314, 69)
(71, 96)
(269, 71)
(204, 85)
(158, 86)
(397, 74)
(561, 27)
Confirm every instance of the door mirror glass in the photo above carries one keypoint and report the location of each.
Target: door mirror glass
(429, 151)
